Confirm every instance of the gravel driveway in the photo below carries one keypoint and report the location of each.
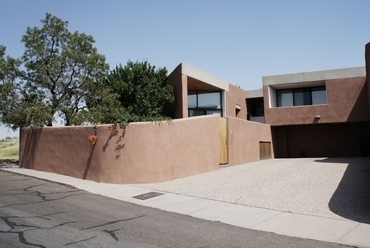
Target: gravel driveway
(337, 188)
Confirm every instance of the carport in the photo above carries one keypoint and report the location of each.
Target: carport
(321, 140)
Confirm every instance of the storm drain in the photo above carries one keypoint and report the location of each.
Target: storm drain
(147, 195)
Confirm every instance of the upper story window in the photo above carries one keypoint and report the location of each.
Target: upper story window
(204, 103)
(301, 96)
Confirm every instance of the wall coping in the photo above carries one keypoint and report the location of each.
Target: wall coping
(314, 76)
(253, 93)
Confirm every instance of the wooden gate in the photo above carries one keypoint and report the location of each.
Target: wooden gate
(265, 150)
(223, 133)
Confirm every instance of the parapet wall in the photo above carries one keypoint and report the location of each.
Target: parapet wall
(235, 97)
(346, 102)
(140, 153)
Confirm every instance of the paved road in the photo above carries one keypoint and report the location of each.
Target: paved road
(37, 213)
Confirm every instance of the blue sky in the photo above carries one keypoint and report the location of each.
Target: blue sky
(238, 41)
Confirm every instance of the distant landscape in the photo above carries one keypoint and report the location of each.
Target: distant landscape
(9, 149)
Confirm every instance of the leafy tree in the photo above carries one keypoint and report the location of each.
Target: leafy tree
(9, 72)
(143, 91)
(18, 106)
(63, 73)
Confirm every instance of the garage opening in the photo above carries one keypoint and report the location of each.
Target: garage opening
(321, 140)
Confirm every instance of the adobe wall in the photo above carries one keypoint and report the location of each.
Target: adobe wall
(236, 96)
(141, 153)
(346, 102)
(322, 140)
(244, 138)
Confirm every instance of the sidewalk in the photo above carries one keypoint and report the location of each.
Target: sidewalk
(285, 223)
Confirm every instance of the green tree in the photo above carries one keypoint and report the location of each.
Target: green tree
(9, 72)
(18, 106)
(143, 91)
(65, 66)
(64, 71)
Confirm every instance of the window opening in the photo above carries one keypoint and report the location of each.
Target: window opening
(204, 103)
(301, 96)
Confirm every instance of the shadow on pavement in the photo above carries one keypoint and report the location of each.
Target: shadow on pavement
(8, 163)
(351, 199)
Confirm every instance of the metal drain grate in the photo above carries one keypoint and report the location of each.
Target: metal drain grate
(147, 195)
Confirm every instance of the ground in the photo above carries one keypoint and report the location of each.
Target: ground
(335, 188)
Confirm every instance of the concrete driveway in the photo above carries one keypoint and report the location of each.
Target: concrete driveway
(337, 188)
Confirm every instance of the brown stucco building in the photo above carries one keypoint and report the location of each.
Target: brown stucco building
(310, 114)
(199, 93)
(316, 114)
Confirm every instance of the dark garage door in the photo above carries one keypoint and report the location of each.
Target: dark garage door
(320, 140)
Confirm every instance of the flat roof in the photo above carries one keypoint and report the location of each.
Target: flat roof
(253, 93)
(205, 77)
(314, 76)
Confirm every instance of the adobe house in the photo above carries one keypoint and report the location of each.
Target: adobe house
(146, 152)
(318, 114)
(310, 114)
(199, 93)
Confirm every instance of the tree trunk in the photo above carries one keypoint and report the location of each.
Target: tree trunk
(67, 121)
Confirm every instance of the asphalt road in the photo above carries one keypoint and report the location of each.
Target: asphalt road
(37, 213)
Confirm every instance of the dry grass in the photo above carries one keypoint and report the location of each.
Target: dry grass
(9, 151)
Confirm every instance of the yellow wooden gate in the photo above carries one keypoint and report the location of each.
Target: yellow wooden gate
(223, 133)
(265, 150)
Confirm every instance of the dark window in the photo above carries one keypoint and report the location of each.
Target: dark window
(284, 98)
(255, 107)
(204, 103)
(301, 96)
(319, 95)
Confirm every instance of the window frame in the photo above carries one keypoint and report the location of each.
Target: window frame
(204, 109)
(295, 91)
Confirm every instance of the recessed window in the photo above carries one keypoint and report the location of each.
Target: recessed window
(192, 99)
(204, 103)
(301, 96)
(210, 100)
(319, 95)
(284, 98)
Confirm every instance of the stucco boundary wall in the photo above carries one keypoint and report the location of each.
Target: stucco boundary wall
(244, 138)
(144, 152)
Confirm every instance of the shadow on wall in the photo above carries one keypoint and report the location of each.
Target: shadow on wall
(30, 147)
(88, 163)
(116, 132)
(351, 199)
(360, 107)
(119, 132)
